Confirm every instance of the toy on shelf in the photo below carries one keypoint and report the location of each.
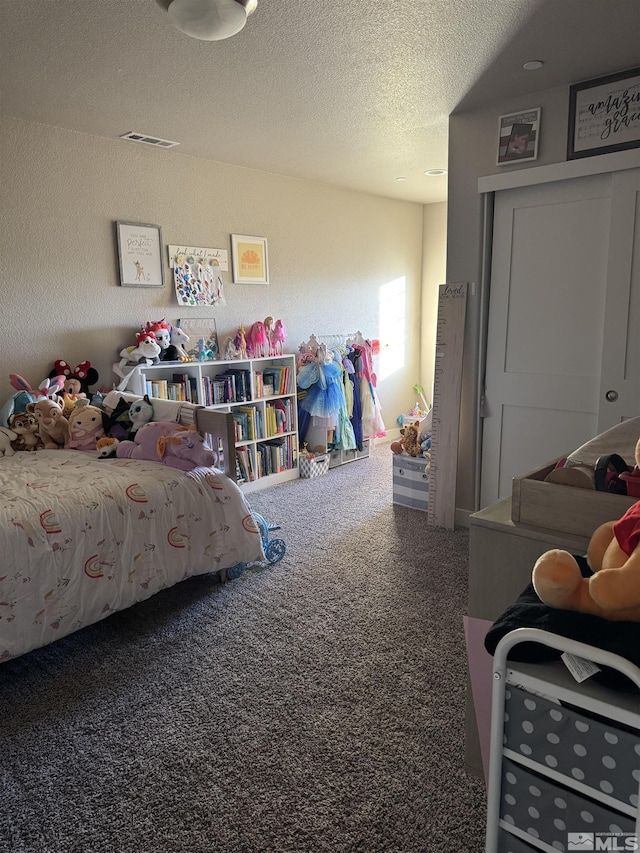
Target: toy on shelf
(240, 343)
(178, 339)
(230, 351)
(205, 352)
(257, 341)
(162, 331)
(277, 339)
(146, 351)
(409, 442)
(613, 590)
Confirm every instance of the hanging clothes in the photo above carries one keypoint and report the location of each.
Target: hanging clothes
(322, 401)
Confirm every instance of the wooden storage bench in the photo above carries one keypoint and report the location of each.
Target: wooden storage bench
(565, 508)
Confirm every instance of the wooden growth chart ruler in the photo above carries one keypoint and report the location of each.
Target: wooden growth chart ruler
(447, 384)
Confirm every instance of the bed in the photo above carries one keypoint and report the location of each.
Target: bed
(83, 537)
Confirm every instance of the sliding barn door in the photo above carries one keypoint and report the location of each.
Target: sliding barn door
(564, 266)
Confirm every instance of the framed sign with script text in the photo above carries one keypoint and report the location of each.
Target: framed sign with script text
(604, 115)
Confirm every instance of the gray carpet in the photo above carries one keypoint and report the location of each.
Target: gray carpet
(311, 705)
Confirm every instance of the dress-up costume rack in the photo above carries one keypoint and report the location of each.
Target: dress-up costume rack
(338, 407)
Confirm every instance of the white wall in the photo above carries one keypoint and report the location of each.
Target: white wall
(433, 274)
(330, 251)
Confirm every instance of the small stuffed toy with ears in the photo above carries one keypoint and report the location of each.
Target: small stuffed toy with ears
(140, 413)
(77, 379)
(409, 442)
(106, 447)
(613, 591)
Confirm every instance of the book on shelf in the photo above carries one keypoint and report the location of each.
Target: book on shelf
(188, 387)
(157, 388)
(245, 461)
(277, 454)
(257, 384)
(241, 382)
(276, 376)
(248, 416)
(279, 416)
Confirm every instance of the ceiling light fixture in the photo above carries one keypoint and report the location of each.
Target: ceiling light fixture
(435, 173)
(533, 65)
(401, 178)
(209, 20)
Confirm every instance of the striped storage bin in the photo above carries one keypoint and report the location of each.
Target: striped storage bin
(410, 481)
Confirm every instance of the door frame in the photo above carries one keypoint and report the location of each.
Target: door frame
(487, 188)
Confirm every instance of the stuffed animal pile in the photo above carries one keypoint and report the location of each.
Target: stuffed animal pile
(613, 591)
(58, 414)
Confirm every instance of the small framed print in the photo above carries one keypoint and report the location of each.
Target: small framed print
(518, 136)
(140, 255)
(604, 115)
(250, 259)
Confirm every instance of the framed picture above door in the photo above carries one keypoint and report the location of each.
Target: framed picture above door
(604, 115)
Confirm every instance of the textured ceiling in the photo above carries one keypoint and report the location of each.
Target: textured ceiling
(348, 92)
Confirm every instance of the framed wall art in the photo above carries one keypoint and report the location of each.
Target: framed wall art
(518, 135)
(249, 259)
(604, 115)
(139, 254)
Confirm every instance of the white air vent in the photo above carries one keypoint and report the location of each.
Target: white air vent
(149, 140)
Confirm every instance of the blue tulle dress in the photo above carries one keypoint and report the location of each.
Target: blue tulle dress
(324, 397)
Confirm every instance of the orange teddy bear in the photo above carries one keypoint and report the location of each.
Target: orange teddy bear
(613, 591)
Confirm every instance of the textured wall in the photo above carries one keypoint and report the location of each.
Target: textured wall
(330, 251)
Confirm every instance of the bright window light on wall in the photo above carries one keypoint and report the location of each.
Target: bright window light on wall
(392, 299)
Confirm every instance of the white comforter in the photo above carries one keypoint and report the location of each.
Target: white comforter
(82, 537)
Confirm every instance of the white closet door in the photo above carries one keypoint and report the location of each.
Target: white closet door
(620, 379)
(550, 267)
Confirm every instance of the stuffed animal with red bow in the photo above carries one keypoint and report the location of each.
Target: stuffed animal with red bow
(76, 379)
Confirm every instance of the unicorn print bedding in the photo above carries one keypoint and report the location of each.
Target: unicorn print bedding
(82, 537)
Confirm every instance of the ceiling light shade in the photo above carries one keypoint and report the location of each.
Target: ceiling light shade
(209, 20)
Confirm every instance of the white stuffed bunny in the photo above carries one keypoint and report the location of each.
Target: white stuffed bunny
(6, 437)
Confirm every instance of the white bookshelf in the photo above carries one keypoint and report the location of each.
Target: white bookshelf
(265, 417)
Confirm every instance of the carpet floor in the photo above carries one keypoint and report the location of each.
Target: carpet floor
(312, 705)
